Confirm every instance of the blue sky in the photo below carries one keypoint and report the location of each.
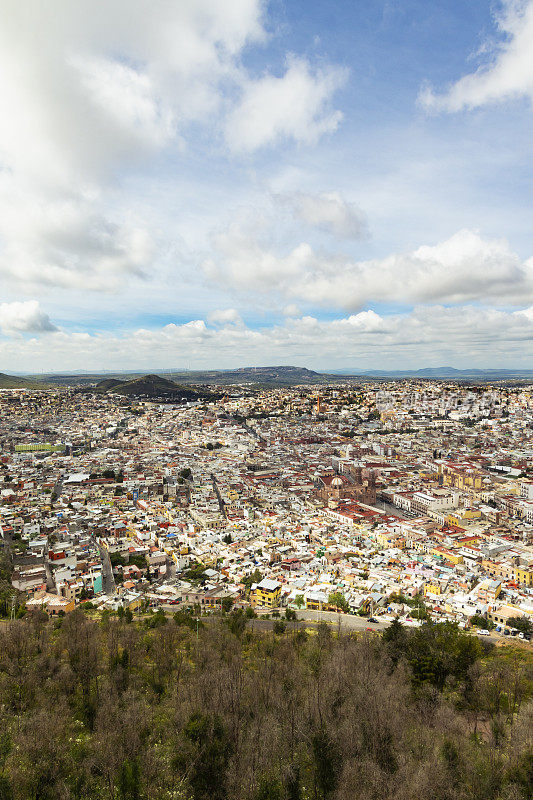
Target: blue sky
(330, 185)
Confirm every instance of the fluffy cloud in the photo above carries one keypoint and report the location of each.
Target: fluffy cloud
(508, 75)
(26, 317)
(327, 211)
(90, 94)
(96, 85)
(433, 336)
(66, 241)
(463, 268)
(293, 106)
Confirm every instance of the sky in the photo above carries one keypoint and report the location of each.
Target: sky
(196, 184)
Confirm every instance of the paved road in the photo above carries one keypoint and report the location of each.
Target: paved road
(108, 579)
(346, 621)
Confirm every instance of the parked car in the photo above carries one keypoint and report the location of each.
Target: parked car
(483, 632)
(373, 619)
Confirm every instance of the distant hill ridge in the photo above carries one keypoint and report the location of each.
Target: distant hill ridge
(181, 383)
(17, 382)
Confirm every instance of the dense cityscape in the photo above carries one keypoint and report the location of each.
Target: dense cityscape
(406, 500)
(266, 400)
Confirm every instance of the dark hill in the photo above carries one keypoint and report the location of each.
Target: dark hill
(156, 387)
(147, 386)
(108, 383)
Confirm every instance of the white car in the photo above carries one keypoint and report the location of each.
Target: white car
(483, 632)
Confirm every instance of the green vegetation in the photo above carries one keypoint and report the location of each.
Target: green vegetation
(254, 577)
(521, 624)
(161, 709)
(478, 621)
(338, 600)
(195, 573)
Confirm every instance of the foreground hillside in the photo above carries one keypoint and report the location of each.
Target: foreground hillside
(127, 710)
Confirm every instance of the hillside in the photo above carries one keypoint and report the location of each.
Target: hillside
(16, 382)
(154, 386)
(265, 376)
(108, 383)
(147, 386)
(208, 709)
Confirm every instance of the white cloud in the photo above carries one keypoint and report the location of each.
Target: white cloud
(431, 336)
(327, 211)
(463, 268)
(25, 317)
(225, 316)
(66, 241)
(97, 84)
(294, 106)
(98, 90)
(90, 93)
(508, 75)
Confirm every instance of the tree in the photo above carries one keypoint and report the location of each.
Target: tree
(299, 600)
(279, 627)
(481, 622)
(236, 622)
(338, 600)
(521, 624)
(227, 603)
(205, 756)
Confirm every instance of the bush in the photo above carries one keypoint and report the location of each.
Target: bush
(480, 622)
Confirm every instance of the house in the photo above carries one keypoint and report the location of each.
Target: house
(266, 593)
(51, 603)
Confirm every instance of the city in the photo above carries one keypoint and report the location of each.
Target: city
(409, 500)
(266, 400)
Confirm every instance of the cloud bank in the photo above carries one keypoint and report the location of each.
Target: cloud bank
(466, 267)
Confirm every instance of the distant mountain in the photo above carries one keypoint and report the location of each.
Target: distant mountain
(441, 372)
(174, 382)
(263, 376)
(16, 382)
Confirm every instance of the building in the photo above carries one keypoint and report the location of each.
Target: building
(266, 594)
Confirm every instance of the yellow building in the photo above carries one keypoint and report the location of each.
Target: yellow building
(523, 575)
(464, 517)
(266, 594)
(447, 555)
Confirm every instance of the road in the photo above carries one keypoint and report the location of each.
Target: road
(108, 580)
(221, 503)
(346, 621)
